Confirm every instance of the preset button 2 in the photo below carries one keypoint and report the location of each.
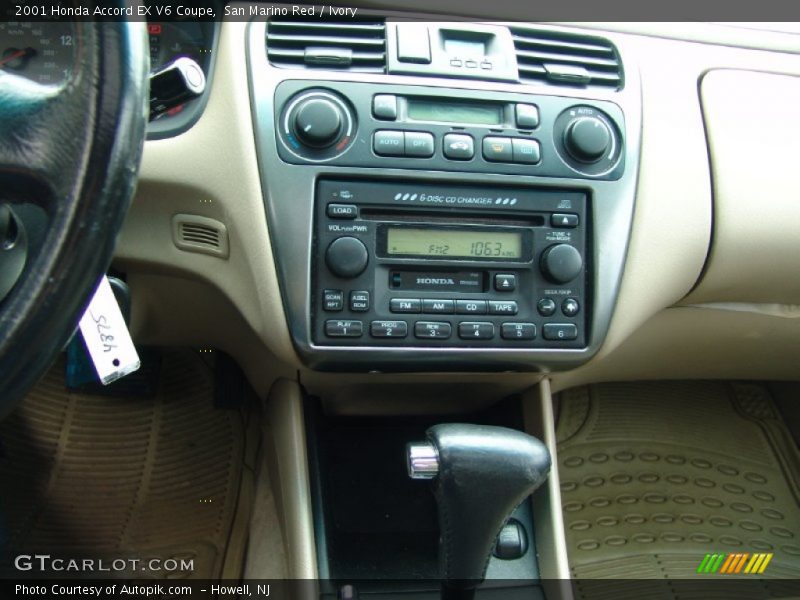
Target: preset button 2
(388, 329)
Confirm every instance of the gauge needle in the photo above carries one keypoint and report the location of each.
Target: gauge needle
(15, 55)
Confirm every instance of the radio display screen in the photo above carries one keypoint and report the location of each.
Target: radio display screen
(454, 243)
(467, 113)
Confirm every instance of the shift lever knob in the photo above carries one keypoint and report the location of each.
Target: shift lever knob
(480, 474)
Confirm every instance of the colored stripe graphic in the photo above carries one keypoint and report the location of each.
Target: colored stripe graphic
(735, 563)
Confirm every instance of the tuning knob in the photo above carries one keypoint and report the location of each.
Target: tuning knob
(561, 263)
(587, 139)
(347, 257)
(317, 122)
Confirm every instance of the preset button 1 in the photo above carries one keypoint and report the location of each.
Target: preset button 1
(343, 328)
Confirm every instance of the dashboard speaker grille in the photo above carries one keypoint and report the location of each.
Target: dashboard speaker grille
(559, 58)
(358, 46)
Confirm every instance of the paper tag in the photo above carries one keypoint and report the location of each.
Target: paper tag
(107, 337)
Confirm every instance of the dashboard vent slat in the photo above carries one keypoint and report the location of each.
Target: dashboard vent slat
(559, 58)
(352, 46)
(193, 233)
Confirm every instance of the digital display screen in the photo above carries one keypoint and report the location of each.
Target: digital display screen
(472, 113)
(454, 243)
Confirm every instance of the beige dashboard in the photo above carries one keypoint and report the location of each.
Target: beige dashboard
(711, 282)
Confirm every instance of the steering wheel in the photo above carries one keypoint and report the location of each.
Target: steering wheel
(69, 156)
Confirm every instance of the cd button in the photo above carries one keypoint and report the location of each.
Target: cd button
(502, 307)
(389, 329)
(518, 331)
(497, 149)
(433, 306)
(404, 305)
(471, 307)
(475, 331)
(432, 330)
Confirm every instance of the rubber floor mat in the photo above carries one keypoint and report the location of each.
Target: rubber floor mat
(656, 475)
(89, 476)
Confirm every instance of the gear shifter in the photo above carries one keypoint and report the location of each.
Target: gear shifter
(480, 474)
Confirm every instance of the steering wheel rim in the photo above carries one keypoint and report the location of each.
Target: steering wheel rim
(74, 152)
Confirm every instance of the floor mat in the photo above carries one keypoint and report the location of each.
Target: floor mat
(656, 475)
(88, 476)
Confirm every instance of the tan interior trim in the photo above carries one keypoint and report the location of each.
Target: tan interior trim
(284, 410)
(753, 143)
(537, 405)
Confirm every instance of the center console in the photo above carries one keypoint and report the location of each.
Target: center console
(438, 211)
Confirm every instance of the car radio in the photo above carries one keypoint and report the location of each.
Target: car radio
(431, 264)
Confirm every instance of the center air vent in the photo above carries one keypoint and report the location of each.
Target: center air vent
(559, 58)
(348, 46)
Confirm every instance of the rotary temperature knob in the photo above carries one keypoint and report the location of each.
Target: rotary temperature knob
(587, 139)
(561, 263)
(317, 122)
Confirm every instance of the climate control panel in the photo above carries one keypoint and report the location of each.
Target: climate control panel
(412, 127)
(421, 264)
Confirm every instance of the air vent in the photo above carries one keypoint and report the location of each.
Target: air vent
(558, 58)
(194, 233)
(358, 46)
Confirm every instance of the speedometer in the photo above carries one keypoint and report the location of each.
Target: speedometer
(43, 52)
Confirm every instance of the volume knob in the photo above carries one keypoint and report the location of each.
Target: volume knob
(561, 263)
(587, 139)
(317, 122)
(347, 257)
